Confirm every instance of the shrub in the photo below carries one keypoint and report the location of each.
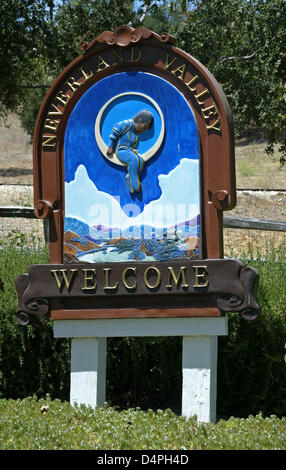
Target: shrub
(31, 360)
(251, 363)
(145, 372)
(54, 425)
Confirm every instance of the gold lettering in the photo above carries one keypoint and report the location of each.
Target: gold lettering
(58, 112)
(101, 64)
(73, 84)
(182, 275)
(212, 126)
(203, 93)
(107, 286)
(50, 141)
(51, 124)
(63, 98)
(138, 58)
(209, 112)
(85, 75)
(64, 279)
(182, 70)
(124, 278)
(118, 54)
(191, 82)
(89, 275)
(201, 276)
(168, 63)
(158, 282)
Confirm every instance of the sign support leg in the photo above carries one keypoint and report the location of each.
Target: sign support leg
(199, 367)
(199, 356)
(88, 371)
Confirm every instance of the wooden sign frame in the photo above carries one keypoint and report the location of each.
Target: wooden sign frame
(128, 49)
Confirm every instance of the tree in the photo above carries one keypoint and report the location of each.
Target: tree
(39, 38)
(83, 20)
(243, 44)
(24, 32)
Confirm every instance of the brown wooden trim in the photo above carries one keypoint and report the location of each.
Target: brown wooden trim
(224, 293)
(124, 36)
(218, 192)
(134, 313)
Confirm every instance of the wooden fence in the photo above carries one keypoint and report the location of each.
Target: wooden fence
(228, 222)
(255, 224)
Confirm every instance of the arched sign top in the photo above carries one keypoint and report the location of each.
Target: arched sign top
(124, 36)
(133, 165)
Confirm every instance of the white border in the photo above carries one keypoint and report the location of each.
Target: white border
(118, 327)
(103, 147)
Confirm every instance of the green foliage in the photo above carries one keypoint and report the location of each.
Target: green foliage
(39, 38)
(144, 372)
(31, 360)
(25, 33)
(251, 363)
(28, 113)
(242, 43)
(158, 17)
(83, 20)
(53, 425)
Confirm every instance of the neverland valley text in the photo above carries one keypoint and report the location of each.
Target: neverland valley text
(93, 68)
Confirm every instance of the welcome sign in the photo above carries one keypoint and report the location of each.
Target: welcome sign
(134, 166)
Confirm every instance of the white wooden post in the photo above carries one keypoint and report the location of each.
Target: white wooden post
(88, 371)
(199, 363)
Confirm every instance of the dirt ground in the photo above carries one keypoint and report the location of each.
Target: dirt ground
(254, 169)
(16, 163)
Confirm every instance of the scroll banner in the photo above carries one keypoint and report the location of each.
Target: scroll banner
(226, 284)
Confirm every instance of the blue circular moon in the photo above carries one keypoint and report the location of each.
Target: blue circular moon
(128, 105)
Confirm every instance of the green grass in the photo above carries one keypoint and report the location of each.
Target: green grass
(46, 424)
(32, 362)
(254, 167)
(245, 169)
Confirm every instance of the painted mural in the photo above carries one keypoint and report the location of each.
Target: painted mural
(132, 173)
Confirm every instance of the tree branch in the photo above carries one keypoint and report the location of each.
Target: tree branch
(34, 86)
(245, 57)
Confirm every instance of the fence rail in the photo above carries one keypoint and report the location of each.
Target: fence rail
(275, 190)
(16, 211)
(228, 222)
(255, 224)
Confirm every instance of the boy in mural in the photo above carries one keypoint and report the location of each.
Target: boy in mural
(124, 140)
